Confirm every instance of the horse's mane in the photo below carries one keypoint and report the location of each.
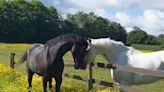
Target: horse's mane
(121, 44)
(117, 42)
(66, 37)
(107, 42)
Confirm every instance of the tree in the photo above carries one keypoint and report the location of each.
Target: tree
(136, 36)
(31, 21)
(117, 32)
(152, 40)
(23, 21)
(160, 38)
(96, 26)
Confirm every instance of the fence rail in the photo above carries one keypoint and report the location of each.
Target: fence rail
(90, 80)
(121, 68)
(157, 73)
(4, 52)
(75, 77)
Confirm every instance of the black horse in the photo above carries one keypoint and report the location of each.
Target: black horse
(46, 60)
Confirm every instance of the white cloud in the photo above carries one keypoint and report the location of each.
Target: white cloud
(89, 5)
(105, 14)
(152, 21)
(124, 19)
(143, 4)
(151, 18)
(151, 4)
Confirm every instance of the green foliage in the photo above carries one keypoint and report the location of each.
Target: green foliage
(117, 32)
(31, 21)
(23, 21)
(138, 36)
(95, 26)
(151, 40)
(160, 38)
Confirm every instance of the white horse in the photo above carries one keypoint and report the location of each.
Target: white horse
(117, 53)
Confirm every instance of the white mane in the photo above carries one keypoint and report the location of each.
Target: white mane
(106, 42)
(107, 45)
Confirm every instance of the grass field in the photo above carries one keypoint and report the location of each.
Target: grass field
(148, 47)
(16, 80)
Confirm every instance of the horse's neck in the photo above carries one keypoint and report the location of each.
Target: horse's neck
(60, 49)
(109, 53)
(113, 54)
(65, 47)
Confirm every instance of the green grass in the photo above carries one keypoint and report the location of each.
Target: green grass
(17, 81)
(148, 47)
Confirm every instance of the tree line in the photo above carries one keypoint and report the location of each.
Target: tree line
(31, 21)
(138, 36)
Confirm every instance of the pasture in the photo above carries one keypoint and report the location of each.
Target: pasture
(16, 80)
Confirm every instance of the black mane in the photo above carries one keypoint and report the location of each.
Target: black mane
(66, 37)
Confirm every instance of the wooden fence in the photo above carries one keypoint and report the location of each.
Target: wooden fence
(91, 81)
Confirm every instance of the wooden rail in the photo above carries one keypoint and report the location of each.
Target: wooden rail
(157, 73)
(75, 77)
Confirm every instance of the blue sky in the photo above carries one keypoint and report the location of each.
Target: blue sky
(146, 14)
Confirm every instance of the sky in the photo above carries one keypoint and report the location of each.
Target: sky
(146, 14)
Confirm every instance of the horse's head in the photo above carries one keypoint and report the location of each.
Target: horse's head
(90, 54)
(78, 51)
(105, 47)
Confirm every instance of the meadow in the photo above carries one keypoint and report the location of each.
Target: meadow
(16, 80)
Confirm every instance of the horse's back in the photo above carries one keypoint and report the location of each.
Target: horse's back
(37, 58)
(152, 61)
(144, 60)
(161, 54)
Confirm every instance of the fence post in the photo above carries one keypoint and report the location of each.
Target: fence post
(12, 55)
(90, 79)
